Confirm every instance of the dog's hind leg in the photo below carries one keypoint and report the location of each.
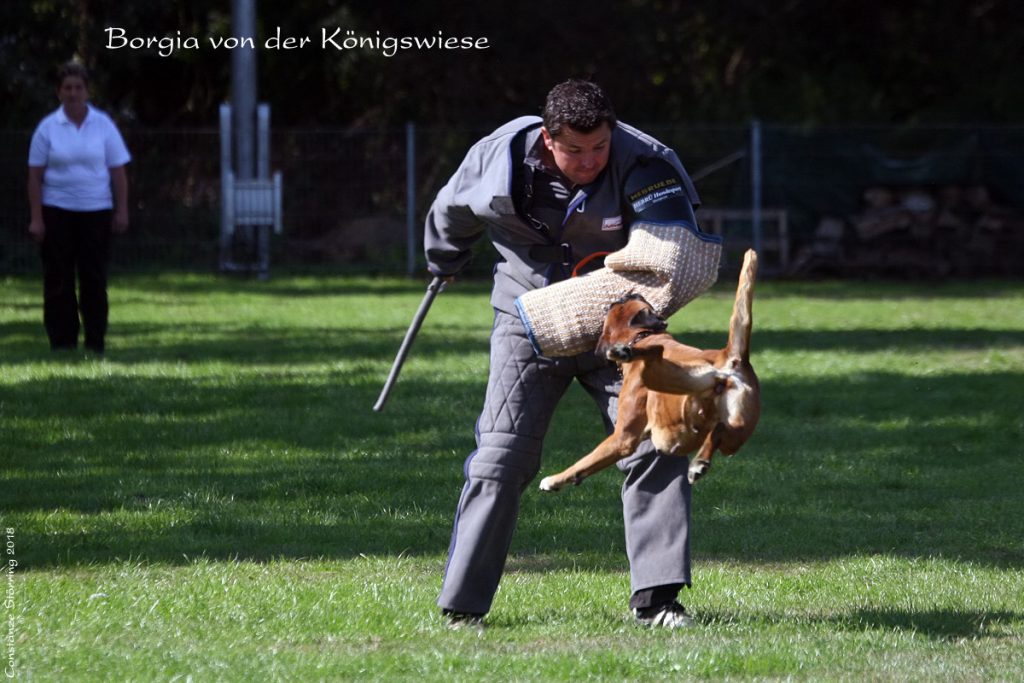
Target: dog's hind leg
(701, 462)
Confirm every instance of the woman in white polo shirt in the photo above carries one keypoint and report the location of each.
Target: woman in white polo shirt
(78, 196)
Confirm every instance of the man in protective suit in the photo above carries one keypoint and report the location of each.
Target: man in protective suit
(550, 192)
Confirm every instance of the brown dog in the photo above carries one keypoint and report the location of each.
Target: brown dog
(682, 397)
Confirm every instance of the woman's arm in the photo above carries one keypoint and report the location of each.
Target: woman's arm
(36, 227)
(120, 181)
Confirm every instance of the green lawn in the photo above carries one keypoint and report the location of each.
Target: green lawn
(215, 499)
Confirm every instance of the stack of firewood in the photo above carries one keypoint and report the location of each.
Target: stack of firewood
(917, 231)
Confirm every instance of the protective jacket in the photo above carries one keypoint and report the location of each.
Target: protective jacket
(492, 189)
(541, 229)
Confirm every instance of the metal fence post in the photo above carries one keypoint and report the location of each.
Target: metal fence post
(410, 198)
(243, 110)
(243, 88)
(755, 183)
(263, 141)
(227, 223)
(263, 173)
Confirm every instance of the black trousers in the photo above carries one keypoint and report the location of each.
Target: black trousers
(75, 242)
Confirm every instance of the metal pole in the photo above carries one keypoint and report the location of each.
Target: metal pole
(410, 198)
(243, 87)
(243, 99)
(227, 228)
(263, 173)
(263, 141)
(755, 182)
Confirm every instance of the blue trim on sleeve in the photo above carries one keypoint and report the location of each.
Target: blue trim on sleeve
(529, 328)
(707, 237)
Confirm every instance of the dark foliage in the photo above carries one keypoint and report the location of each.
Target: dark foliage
(798, 61)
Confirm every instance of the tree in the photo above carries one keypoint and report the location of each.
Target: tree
(797, 61)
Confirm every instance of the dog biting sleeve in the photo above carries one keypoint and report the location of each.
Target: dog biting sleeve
(670, 264)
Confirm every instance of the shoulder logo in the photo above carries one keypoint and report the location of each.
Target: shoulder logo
(654, 193)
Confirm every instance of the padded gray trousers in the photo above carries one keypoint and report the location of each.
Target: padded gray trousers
(522, 392)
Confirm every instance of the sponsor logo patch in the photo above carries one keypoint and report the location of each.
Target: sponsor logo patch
(613, 223)
(652, 194)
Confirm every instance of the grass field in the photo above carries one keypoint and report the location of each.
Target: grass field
(215, 500)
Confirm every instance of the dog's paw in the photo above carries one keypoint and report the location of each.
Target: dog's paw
(620, 353)
(698, 468)
(549, 484)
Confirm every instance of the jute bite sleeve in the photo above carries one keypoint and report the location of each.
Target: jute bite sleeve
(669, 264)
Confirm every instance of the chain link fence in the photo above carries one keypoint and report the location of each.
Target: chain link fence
(845, 201)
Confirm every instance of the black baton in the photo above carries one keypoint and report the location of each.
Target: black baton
(433, 289)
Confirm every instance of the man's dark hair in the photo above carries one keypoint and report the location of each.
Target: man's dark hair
(581, 105)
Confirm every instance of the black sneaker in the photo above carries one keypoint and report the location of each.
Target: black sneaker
(460, 620)
(667, 615)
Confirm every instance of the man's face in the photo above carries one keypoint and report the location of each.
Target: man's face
(580, 156)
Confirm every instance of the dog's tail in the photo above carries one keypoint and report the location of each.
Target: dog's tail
(742, 310)
(734, 402)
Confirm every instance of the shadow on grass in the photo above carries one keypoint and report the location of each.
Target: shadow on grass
(257, 466)
(936, 624)
(132, 343)
(135, 343)
(320, 283)
(297, 285)
(888, 290)
(292, 462)
(127, 286)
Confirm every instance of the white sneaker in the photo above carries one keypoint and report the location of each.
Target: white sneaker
(669, 615)
(460, 620)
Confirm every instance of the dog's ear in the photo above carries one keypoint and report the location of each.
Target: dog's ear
(646, 319)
